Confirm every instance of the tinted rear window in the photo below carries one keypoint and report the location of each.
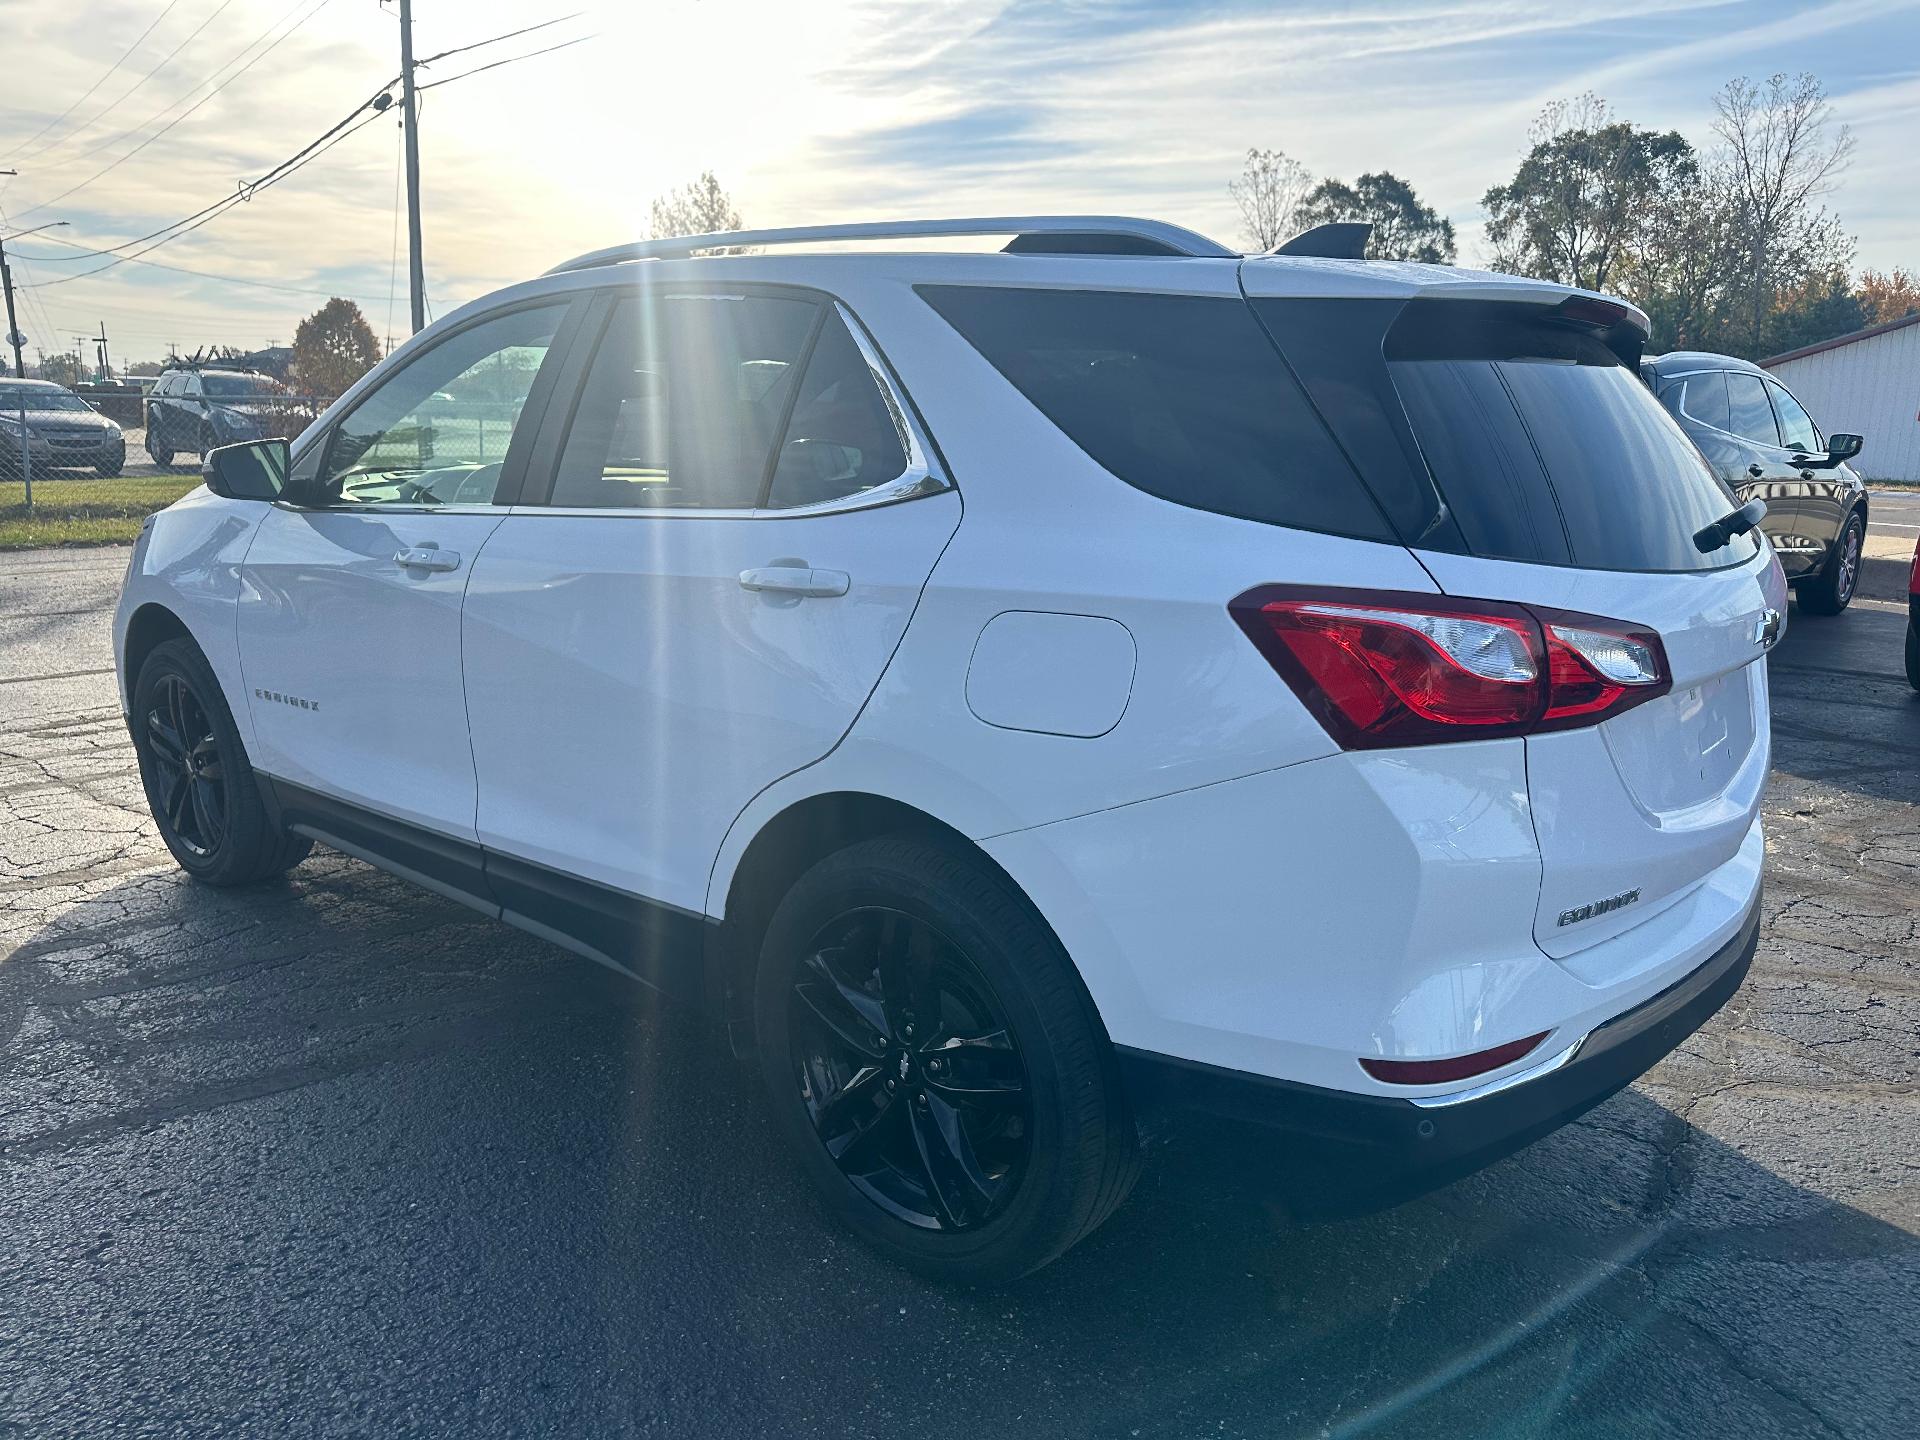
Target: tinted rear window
(1701, 397)
(1547, 446)
(1181, 396)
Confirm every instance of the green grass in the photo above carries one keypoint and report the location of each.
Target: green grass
(84, 512)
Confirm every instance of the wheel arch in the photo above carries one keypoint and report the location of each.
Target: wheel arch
(150, 625)
(788, 844)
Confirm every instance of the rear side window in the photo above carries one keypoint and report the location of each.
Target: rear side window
(1180, 396)
(1752, 416)
(1701, 398)
(1547, 447)
(683, 402)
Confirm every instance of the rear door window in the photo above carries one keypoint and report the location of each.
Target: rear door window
(683, 402)
(1752, 416)
(1546, 445)
(1701, 398)
(1181, 396)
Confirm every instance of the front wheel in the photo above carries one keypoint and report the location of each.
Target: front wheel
(200, 787)
(1831, 591)
(157, 445)
(936, 1065)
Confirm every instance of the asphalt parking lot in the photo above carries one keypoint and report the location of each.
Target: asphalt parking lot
(339, 1157)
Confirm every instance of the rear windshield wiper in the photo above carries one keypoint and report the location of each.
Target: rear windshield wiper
(1709, 538)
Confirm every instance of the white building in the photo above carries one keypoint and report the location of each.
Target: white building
(1866, 383)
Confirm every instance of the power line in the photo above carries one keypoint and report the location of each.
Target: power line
(114, 165)
(184, 270)
(510, 60)
(187, 94)
(495, 40)
(114, 104)
(286, 167)
(105, 75)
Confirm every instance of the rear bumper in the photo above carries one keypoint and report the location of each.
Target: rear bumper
(1362, 1151)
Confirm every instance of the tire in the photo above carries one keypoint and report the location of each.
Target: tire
(1016, 1074)
(209, 811)
(208, 440)
(1831, 591)
(157, 445)
(109, 469)
(1913, 654)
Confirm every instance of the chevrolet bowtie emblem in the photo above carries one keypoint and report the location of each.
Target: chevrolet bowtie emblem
(1766, 629)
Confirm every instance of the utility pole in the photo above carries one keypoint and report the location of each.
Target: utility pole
(6, 283)
(14, 337)
(100, 344)
(410, 120)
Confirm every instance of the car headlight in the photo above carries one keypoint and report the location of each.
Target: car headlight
(113, 430)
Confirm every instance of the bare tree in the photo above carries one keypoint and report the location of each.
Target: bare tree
(1782, 153)
(1269, 193)
(702, 208)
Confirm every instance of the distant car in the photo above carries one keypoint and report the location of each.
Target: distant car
(62, 431)
(1763, 445)
(1913, 620)
(196, 410)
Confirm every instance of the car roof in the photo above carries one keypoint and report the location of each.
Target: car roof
(34, 384)
(1681, 362)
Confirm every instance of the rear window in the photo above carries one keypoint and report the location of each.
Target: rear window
(1181, 396)
(1546, 446)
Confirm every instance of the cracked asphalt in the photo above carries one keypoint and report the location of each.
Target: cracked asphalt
(337, 1157)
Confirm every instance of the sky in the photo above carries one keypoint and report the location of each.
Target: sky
(812, 111)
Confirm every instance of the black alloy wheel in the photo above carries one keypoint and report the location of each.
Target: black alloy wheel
(908, 1070)
(190, 777)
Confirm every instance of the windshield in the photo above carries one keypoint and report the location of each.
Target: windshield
(32, 397)
(238, 386)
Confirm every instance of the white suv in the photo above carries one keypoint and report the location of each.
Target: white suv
(1015, 691)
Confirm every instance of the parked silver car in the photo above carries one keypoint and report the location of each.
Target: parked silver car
(58, 429)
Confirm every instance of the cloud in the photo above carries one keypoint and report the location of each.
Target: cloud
(863, 110)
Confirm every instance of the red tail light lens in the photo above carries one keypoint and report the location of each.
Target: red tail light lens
(1384, 669)
(1457, 1067)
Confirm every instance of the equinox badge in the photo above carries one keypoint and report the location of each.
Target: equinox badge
(1600, 907)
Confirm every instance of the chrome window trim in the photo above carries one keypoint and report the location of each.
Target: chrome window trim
(1730, 434)
(920, 479)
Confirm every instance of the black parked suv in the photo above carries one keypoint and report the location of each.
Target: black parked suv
(1764, 445)
(196, 410)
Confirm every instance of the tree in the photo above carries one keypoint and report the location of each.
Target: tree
(1269, 192)
(333, 347)
(702, 208)
(1586, 193)
(1781, 154)
(1816, 308)
(1403, 228)
(1888, 296)
(63, 369)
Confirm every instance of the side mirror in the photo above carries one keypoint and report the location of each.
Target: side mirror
(1843, 447)
(1840, 448)
(252, 470)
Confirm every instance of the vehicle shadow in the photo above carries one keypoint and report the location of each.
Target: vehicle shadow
(403, 1170)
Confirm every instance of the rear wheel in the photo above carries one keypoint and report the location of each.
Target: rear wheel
(201, 790)
(936, 1065)
(1831, 591)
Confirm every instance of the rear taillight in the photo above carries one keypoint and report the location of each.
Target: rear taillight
(1382, 669)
